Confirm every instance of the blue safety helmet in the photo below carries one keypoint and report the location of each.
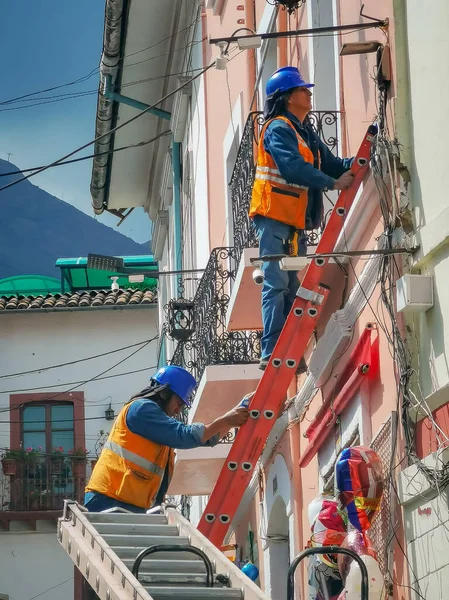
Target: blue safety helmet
(180, 381)
(251, 571)
(285, 79)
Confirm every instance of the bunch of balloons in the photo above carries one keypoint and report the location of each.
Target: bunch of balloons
(344, 521)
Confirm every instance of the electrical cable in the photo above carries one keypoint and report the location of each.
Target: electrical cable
(111, 131)
(52, 588)
(97, 69)
(75, 160)
(73, 362)
(47, 387)
(63, 393)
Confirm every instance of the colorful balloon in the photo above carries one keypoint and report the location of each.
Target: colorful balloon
(359, 480)
(350, 570)
(328, 529)
(251, 571)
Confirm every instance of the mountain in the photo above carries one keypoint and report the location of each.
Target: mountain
(36, 228)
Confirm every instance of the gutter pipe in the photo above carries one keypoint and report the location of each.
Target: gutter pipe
(109, 70)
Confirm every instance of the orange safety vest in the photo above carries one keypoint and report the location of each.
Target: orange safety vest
(130, 467)
(272, 196)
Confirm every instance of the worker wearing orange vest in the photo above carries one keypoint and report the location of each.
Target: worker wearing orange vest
(137, 460)
(293, 168)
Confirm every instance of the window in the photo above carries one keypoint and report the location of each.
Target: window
(47, 426)
(345, 433)
(46, 423)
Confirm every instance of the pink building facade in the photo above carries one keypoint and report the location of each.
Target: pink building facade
(272, 524)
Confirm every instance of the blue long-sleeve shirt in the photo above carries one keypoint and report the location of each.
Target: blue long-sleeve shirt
(280, 141)
(146, 418)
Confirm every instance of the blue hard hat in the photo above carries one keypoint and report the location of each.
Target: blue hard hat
(179, 380)
(285, 79)
(251, 571)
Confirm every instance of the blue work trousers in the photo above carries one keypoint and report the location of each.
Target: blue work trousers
(279, 287)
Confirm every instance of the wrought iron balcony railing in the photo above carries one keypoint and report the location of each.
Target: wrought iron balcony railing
(199, 325)
(40, 488)
(325, 124)
(211, 343)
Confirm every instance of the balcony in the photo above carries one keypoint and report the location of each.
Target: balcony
(38, 491)
(245, 295)
(218, 331)
(207, 461)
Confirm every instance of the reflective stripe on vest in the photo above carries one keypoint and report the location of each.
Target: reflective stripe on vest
(273, 196)
(134, 458)
(267, 174)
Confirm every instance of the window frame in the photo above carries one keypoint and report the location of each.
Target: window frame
(17, 402)
(48, 429)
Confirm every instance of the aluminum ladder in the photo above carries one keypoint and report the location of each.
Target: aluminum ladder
(176, 561)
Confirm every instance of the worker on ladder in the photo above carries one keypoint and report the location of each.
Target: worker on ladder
(137, 460)
(293, 169)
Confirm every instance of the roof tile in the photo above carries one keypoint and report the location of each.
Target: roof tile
(121, 298)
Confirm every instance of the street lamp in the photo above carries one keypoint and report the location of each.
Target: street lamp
(288, 5)
(109, 413)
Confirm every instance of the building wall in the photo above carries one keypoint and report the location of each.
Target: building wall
(343, 84)
(34, 341)
(32, 562)
(426, 44)
(422, 130)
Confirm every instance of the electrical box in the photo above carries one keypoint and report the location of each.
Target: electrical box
(414, 293)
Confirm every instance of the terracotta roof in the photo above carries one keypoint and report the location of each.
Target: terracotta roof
(78, 300)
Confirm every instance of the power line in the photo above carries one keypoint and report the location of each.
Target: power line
(63, 393)
(97, 69)
(72, 95)
(76, 95)
(47, 387)
(73, 362)
(111, 131)
(75, 160)
(52, 588)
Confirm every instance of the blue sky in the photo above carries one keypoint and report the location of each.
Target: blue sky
(45, 43)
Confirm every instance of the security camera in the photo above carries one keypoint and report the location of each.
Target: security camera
(258, 276)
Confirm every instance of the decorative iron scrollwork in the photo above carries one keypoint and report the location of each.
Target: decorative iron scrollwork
(325, 124)
(289, 5)
(211, 343)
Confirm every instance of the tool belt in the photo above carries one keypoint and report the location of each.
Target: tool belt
(291, 245)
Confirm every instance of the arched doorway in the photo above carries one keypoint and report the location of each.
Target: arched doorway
(278, 550)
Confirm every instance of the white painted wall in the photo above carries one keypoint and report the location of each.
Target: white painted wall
(426, 523)
(279, 521)
(33, 562)
(30, 563)
(428, 43)
(196, 143)
(31, 341)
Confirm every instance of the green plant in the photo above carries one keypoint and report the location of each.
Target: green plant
(32, 455)
(79, 453)
(57, 451)
(9, 454)
(28, 454)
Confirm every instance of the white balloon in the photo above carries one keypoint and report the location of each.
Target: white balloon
(353, 584)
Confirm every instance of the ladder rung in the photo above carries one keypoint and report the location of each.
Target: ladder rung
(136, 529)
(142, 541)
(173, 579)
(126, 518)
(194, 593)
(149, 565)
(130, 552)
